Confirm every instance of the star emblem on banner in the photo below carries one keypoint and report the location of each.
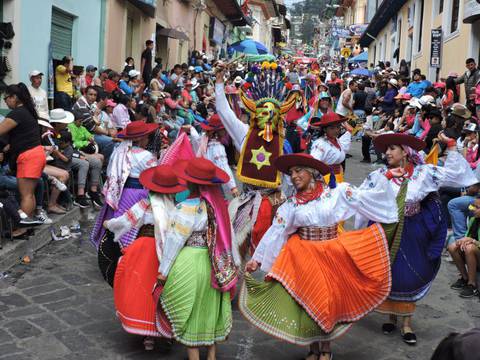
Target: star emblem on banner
(260, 157)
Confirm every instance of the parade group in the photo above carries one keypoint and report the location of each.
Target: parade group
(223, 181)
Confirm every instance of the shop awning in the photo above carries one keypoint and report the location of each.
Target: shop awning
(382, 17)
(233, 12)
(471, 11)
(172, 33)
(147, 6)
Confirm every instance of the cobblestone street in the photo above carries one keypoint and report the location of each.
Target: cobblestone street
(59, 307)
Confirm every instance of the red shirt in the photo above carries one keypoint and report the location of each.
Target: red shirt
(88, 80)
(110, 86)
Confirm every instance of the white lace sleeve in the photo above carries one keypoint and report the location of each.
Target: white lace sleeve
(345, 141)
(275, 237)
(234, 126)
(374, 200)
(455, 173)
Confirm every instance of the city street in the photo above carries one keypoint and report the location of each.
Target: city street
(59, 307)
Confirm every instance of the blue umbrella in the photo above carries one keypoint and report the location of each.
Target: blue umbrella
(361, 72)
(249, 47)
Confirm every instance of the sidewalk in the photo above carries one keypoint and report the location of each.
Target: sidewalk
(13, 251)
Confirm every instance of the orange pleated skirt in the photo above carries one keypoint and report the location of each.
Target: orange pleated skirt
(399, 308)
(339, 280)
(135, 278)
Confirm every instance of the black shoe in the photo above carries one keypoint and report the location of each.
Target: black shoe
(96, 199)
(469, 291)
(81, 201)
(388, 328)
(348, 156)
(459, 284)
(365, 161)
(409, 338)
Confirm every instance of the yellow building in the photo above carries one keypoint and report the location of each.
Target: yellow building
(401, 29)
(354, 13)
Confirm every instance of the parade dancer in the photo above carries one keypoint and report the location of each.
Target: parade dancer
(416, 251)
(210, 145)
(122, 190)
(138, 268)
(330, 147)
(259, 143)
(198, 268)
(319, 282)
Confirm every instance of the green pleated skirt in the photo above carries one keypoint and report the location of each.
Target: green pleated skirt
(268, 306)
(199, 314)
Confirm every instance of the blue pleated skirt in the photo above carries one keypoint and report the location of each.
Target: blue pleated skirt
(418, 259)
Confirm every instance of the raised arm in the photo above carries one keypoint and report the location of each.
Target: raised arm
(234, 126)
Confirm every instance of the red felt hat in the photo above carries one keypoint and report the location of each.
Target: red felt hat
(137, 129)
(285, 162)
(382, 142)
(329, 118)
(200, 171)
(214, 123)
(162, 179)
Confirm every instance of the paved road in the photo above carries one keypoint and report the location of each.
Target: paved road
(58, 307)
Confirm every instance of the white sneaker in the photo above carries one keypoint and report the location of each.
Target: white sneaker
(43, 217)
(57, 183)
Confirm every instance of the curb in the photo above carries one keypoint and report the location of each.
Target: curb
(13, 251)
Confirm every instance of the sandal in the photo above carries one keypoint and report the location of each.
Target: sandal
(56, 210)
(310, 353)
(329, 353)
(409, 337)
(148, 343)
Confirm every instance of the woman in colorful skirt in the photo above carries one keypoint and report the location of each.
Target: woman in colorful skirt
(122, 190)
(319, 282)
(198, 269)
(416, 253)
(330, 147)
(137, 270)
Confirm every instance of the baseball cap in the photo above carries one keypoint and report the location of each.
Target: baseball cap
(90, 68)
(133, 73)
(35, 73)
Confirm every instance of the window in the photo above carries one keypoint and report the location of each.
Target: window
(420, 27)
(455, 14)
(440, 6)
(61, 34)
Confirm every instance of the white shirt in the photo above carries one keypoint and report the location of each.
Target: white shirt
(325, 151)
(40, 99)
(341, 109)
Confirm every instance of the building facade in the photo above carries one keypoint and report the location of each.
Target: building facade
(52, 29)
(401, 29)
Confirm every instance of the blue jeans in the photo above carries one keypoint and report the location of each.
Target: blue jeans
(63, 100)
(105, 144)
(458, 210)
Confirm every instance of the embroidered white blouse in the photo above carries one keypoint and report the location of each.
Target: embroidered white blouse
(425, 179)
(141, 160)
(216, 154)
(325, 151)
(377, 203)
(189, 216)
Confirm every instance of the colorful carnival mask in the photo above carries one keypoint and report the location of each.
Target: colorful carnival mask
(264, 141)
